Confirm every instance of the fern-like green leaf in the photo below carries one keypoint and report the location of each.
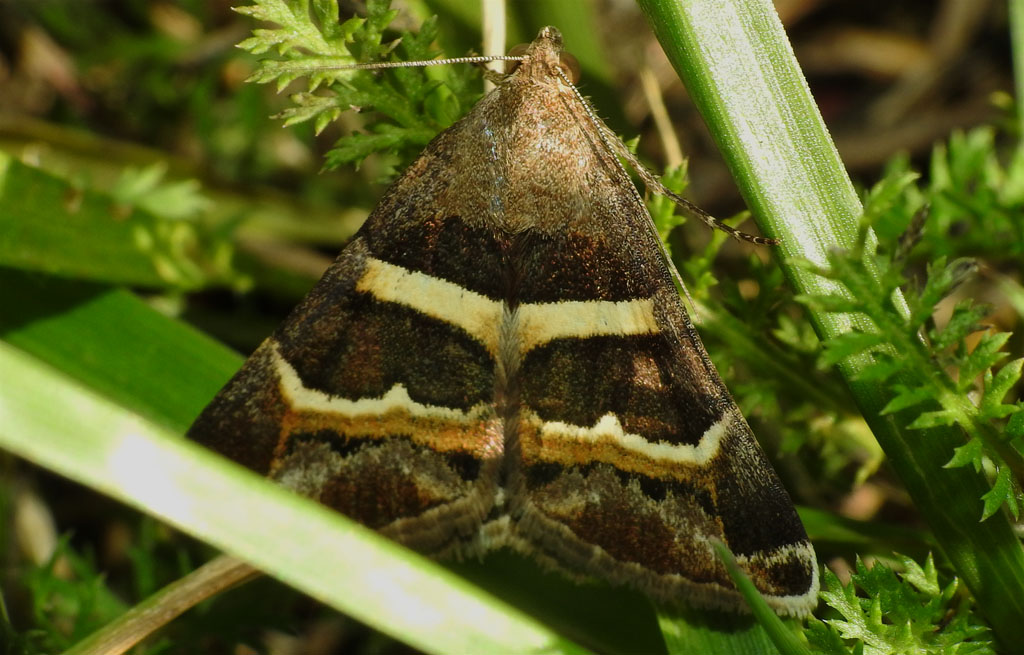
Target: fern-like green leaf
(927, 420)
(997, 387)
(1003, 492)
(970, 453)
(917, 369)
(403, 108)
(851, 343)
(887, 193)
(983, 357)
(356, 148)
(906, 397)
(969, 187)
(964, 321)
(1015, 426)
(298, 29)
(903, 613)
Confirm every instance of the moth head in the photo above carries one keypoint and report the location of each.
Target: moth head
(545, 53)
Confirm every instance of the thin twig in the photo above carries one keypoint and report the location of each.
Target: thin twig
(165, 605)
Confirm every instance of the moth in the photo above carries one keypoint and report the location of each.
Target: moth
(500, 358)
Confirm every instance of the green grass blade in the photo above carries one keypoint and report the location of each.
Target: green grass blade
(778, 632)
(53, 421)
(713, 633)
(115, 344)
(739, 68)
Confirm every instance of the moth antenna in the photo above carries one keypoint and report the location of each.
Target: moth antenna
(613, 143)
(478, 59)
(608, 138)
(652, 181)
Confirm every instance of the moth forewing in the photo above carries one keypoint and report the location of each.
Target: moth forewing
(500, 358)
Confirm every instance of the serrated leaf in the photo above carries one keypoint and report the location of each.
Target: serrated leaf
(320, 70)
(886, 193)
(356, 147)
(884, 367)
(1015, 426)
(906, 397)
(940, 281)
(997, 388)
(309, 106)
(325, 13)
(1002, 491)
(323, 119)
(368, 38)
(925, 579)
(848, 344)
(297, 31)
(964, 321)
(969, 453)
(984, 356)
(907, 613)
(824, 639)
(933, 419)
(313, 45)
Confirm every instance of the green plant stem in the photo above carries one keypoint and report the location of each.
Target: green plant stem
(739, 69)
(785, 641)
(1017, 40)
(164, 606)
(968, 415)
